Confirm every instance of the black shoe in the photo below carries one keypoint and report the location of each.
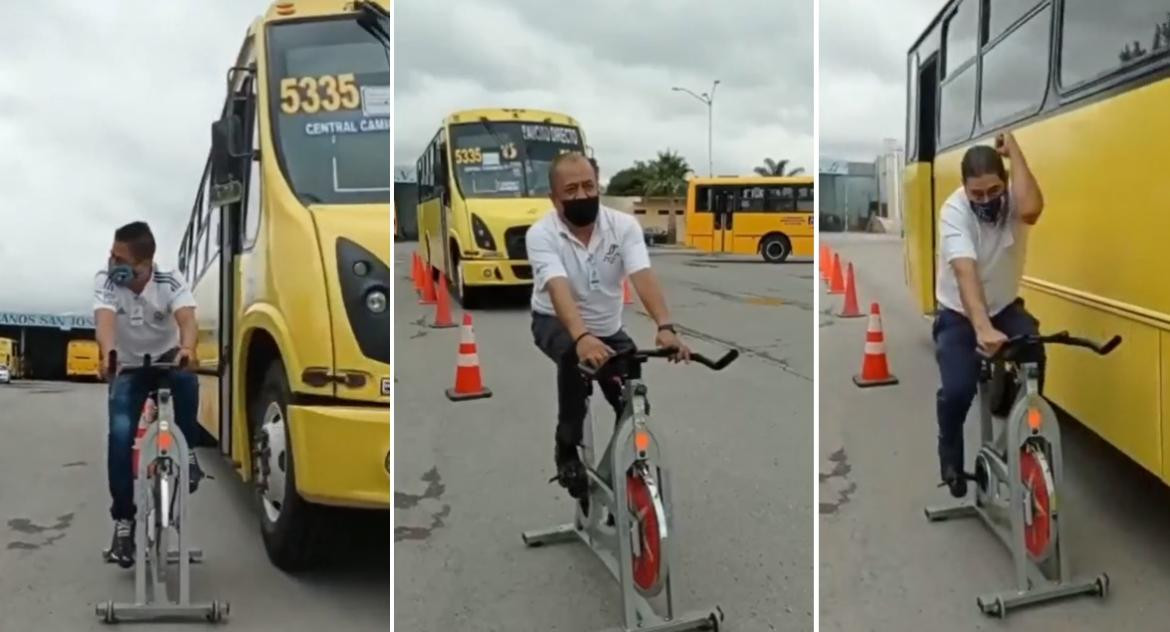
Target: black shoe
(571, 472)
(122, 548)
(956, 480)
(194, 472)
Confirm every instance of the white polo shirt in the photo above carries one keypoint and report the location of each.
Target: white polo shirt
(145, 323)
(998, 251)
(595, 270)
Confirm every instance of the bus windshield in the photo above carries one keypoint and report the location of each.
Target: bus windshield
(330, 93)
(508, 159)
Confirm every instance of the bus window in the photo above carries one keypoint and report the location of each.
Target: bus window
(1015, 72)
(960, 36)
(751, 199)
(335, 80)
(1099, 37)
(804, 198)
(782, 199)
(703, 199)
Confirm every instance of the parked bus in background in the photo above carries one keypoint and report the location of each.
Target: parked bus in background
(81, 359)
(482, 181)
(1083, 86)
(10, 356)
(769, 216)
(287, 252)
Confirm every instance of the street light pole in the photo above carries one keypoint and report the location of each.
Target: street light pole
(707, 99)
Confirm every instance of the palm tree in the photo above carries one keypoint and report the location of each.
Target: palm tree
(666, 175)
(777, 168)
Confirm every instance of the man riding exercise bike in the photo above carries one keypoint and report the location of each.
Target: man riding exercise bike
(983, 230)
(141, 311)
(580, 254)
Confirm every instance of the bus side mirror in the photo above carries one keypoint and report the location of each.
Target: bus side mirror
(226, 143)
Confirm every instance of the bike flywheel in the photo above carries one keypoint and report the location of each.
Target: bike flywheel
(1036, 478)
(646, 549)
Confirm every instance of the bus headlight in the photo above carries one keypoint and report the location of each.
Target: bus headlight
(483, 237)
(366, 297)
(376, 301)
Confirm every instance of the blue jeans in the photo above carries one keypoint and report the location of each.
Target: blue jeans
(127, 397)
(958, 366)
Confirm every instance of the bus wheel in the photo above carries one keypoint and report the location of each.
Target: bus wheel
(775, 249)
(292, 528)
(468, 296)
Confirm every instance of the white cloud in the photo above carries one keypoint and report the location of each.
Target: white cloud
(105, 113)
(611, 64)
(862, 77)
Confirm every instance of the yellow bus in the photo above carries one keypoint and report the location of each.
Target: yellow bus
(753, 215)
(482, 181)
(81, 359)
(10, 356)
(288, 252)
(1084, 86)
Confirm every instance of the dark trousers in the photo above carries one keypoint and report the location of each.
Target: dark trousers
(128, 394)
(958, 364)
(573, 388)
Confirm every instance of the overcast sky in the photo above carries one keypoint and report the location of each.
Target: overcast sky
(863, 73)
(105, 114)
(611, 64)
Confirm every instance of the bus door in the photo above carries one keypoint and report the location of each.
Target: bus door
(235, 190)
(724, 201)
(701, 222)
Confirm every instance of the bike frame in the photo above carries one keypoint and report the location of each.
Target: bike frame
(1001, 501)
(631, 446)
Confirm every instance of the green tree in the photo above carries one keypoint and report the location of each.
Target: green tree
(667, 176)
(777, 168)
(628, 181)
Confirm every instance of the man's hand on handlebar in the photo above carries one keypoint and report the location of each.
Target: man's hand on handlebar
(187, 359)
(667, 339)
(989, 340)
(592, 351)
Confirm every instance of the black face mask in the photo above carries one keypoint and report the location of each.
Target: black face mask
(581, 212)
(991, 210)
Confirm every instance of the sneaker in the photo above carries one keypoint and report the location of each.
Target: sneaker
(571, 472)
(194, 472)
(122, 547)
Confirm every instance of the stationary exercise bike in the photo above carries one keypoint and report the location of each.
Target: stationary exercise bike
(1018, 477)
(635, 549)
(161, 493)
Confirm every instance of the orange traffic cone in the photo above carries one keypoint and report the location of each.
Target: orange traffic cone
(874, 370)
(850, 309)
(627, 298)
(428, 287)
(468, 382)
(443, 306)
(827, 273)
(837, 283)
(415, 268)
(823, 268)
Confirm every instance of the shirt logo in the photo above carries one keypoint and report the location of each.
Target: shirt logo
(158, 317)
(611, 255)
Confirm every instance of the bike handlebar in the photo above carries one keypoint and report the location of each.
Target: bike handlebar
(147, 365)
(665, 352)
(1061, 338)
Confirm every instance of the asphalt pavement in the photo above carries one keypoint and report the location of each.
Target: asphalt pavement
(471, 476)
(54, 522)
(883, 566)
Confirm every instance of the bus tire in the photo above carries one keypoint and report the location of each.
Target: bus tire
(775, 248)
(295, 540)
(468, 297)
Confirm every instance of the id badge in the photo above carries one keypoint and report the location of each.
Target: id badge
(136, 317)
(594, 277)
